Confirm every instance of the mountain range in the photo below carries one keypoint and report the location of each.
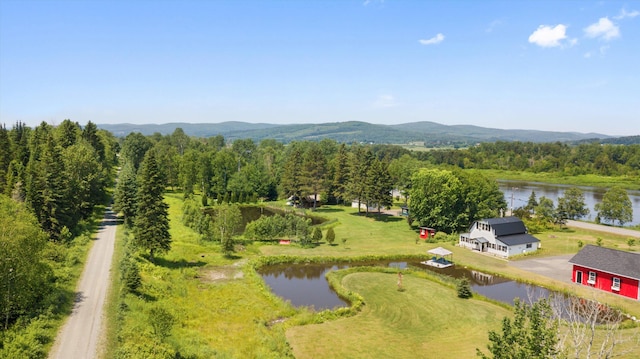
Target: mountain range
(432, 134)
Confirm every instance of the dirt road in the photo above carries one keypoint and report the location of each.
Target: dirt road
(602, 228)
(80, 335)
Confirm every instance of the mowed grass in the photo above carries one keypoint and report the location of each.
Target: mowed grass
(387, 235)
(372, 235)
(426, 320)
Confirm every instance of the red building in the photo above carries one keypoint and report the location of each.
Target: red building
(608, 269)
(426, 232)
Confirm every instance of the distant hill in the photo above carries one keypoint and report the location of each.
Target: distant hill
(431, 133)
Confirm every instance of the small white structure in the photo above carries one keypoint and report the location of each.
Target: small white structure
(504, 237)
(439, 260)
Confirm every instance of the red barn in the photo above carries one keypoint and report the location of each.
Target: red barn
(608, 269)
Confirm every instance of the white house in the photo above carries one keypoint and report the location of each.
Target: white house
(505, 236)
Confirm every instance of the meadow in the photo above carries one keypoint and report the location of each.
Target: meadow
(221, 308)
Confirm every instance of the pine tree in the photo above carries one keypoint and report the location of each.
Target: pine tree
(317, 235)
(125, 193)
(314, 167)
(47, 192)
(341, 173)
(151, 224)
(379, 184)
(291, 180)
(330, 236)
(5, 156)
(358, 170)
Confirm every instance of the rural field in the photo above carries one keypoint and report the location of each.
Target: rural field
(222, 308)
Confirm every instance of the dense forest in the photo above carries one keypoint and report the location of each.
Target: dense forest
(51, 180)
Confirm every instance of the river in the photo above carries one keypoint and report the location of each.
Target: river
(517, 193)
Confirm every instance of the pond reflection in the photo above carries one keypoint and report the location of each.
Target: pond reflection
(305, 284)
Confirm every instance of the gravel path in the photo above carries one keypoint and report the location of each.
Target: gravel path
(80, 335)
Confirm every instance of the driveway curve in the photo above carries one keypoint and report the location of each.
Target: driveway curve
(81, 334)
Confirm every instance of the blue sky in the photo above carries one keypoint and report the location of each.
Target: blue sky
(546, 65)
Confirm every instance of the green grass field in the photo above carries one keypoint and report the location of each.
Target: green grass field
(223, 309)
(425, 320)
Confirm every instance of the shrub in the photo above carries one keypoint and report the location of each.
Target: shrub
(330, 236)
(317, 235)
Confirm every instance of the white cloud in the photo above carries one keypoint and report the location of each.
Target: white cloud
(625, 14)
(493, 25)
(547, 36)
(385, 100)
(433, 41)
(588, 55)
(604, 29)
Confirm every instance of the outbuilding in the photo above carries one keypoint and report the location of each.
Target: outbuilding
(607, 269)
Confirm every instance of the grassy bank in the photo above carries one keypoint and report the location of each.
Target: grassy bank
(627, 182)
(426, 319)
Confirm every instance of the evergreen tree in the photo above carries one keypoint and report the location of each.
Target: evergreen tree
(359, 164)
(314, 167)
(291, 181)
(532, 203)
(379, 185)
(126, 193)
(5, 156)
(90, 134)
(317, 235)
(464, 288)
(341, 173)
(330, 237)
(151, 224)
(67, 133)
(47, 192)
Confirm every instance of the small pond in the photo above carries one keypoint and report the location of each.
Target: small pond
(305, 284)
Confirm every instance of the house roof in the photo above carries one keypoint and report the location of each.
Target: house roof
(609, 260)
(505, 226)
(516, 239)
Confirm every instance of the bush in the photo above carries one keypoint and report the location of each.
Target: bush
(330, 236)
(317, 235)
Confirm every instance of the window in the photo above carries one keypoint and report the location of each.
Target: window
(529, 245)
(592, 278)
(616, 284)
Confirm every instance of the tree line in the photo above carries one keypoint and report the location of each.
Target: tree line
(51, 180)
(556, 157)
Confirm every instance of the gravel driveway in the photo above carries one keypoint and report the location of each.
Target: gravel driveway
(556, 267)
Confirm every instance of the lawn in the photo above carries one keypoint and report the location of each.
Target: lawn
(425, 320)
(223, 309)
